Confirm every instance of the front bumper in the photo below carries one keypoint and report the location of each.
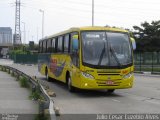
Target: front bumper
(86, 83)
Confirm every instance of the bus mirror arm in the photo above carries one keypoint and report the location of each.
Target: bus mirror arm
(133, 43)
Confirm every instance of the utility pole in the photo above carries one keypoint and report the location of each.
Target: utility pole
(17, 34)
(92, 12)
(28, 37)
(37, 35)
(32, 38)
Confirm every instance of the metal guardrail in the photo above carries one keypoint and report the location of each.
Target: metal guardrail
(48, 104)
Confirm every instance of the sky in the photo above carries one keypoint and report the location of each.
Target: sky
(60, 15)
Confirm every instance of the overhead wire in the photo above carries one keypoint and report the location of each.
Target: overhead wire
(71, 8)
(104, 5)
(79, 16)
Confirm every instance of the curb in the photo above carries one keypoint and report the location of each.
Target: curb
(151, 74)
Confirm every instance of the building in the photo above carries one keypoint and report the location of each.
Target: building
(5, 40)
(5, 36)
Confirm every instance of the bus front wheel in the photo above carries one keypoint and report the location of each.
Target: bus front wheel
(69, 84)
(110, 90)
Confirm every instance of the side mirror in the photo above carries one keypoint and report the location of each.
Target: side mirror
(133, 43)
(75, 42)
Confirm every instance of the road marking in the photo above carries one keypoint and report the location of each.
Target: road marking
(116, 100)
(152, 100)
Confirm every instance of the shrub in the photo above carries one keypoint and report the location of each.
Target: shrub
(36, 94)
(24, 82)
(12, 73)
(42, 117)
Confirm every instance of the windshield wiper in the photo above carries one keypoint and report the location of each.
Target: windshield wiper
(101, 56)
(114, 55)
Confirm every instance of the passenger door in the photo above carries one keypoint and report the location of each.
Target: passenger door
(75, 61)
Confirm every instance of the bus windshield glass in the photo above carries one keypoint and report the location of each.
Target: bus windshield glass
(106, 48)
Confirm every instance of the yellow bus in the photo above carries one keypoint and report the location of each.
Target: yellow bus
(90, 58)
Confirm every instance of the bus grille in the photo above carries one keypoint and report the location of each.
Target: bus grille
(103, 83)
(108, 73)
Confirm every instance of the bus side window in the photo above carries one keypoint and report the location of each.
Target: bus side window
(44, 46)
(63, 44)
(40, 47)
(56, 44)
(53, 45)
(49, 47)
(60, 42)
(66, 43)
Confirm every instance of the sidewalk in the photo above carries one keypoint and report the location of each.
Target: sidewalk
(29, 107)
(13, 98)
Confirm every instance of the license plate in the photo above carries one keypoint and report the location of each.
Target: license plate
(109, 82)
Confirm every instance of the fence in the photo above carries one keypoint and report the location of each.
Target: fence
(147, 62)
(25, 58)
(144, 61)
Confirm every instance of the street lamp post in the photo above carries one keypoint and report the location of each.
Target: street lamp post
(24, 33)
(42, 22)
(37, 34)
(92, 12)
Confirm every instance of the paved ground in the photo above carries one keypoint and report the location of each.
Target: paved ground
(5, 62)
(14, 99)
(144, 97)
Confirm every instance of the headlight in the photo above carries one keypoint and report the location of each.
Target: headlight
(128, 75)
(87, 75)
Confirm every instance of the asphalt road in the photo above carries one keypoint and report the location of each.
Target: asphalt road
(144, 97)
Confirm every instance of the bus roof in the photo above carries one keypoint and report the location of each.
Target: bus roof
(89, 28)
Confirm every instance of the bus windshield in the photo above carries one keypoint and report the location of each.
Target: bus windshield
(106, 48)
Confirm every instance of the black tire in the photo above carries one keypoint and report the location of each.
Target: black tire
(110, 91)
(49, 79)
(69, 84)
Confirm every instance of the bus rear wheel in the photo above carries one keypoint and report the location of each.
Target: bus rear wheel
(69, 84)
(49, 79)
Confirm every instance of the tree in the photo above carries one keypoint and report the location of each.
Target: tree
(149, 36)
